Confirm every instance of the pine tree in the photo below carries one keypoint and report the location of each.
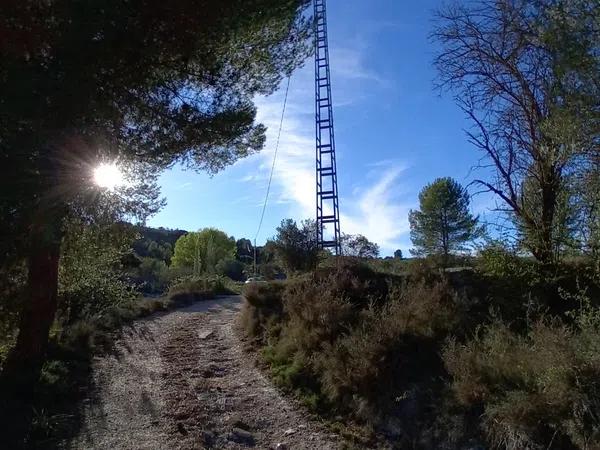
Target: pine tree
(443, 225)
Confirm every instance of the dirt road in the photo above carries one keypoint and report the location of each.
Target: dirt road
(181, 380)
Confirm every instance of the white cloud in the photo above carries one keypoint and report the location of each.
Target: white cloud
(377, 211)
(348, 64)
(185, 186)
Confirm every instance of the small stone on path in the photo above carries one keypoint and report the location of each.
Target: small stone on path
(203, 334)
(241, 436)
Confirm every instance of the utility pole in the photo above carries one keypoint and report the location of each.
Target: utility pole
(326, 171)
(254, 257)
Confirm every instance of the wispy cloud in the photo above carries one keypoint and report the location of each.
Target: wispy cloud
(348, 64)
(185, 186)
(377, 210)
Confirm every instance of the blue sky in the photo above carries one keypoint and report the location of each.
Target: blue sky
(394, 134)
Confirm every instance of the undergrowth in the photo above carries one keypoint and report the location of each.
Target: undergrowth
(503, 355)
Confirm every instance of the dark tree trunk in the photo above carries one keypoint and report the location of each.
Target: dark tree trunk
(548, 218)
(23, 365)
(37, 315)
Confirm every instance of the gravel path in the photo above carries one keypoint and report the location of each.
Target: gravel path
(181, 380)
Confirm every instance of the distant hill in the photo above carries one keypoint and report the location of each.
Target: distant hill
(161, 234)
(156, 242)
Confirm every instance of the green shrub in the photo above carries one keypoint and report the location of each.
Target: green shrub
(389, 348)
(354, 281)
(427, 356)
(90, 279)
(231, 268)
(317, 312)
(13, 277)
(152, 275)
(262, 309)
(342, 340)
(189, 289)
(79, 338)
(93, 295)
(498, 261)
(535, 390)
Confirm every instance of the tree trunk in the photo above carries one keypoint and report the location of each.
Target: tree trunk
(24, 363)
(546, 254)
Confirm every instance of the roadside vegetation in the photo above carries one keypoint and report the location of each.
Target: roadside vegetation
(496, 354)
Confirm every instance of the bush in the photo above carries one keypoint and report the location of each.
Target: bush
(355, 281)
(427, 357)
(231, 268)
(83, 300)
(346, 342)
(534, 390)
(90, 279)
(372, 364)
(152, 275)
(263, 307)
(189, 289)
(12, 284)
(497, 261)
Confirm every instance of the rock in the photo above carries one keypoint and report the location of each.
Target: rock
(289, 432)
(281, 446)
(241, 436)
(203, 334)
(209, 438)
(182, 415)
(237, 422)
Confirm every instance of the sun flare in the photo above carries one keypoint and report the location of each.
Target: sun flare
(108, 175)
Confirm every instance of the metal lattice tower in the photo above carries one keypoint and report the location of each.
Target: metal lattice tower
(327, 191)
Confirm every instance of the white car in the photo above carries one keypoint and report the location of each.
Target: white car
(255, 280)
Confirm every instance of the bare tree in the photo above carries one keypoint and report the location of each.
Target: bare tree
(526, 74)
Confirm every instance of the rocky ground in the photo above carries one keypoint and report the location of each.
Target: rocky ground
(181, 380)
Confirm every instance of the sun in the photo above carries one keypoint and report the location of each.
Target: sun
(108, 175)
